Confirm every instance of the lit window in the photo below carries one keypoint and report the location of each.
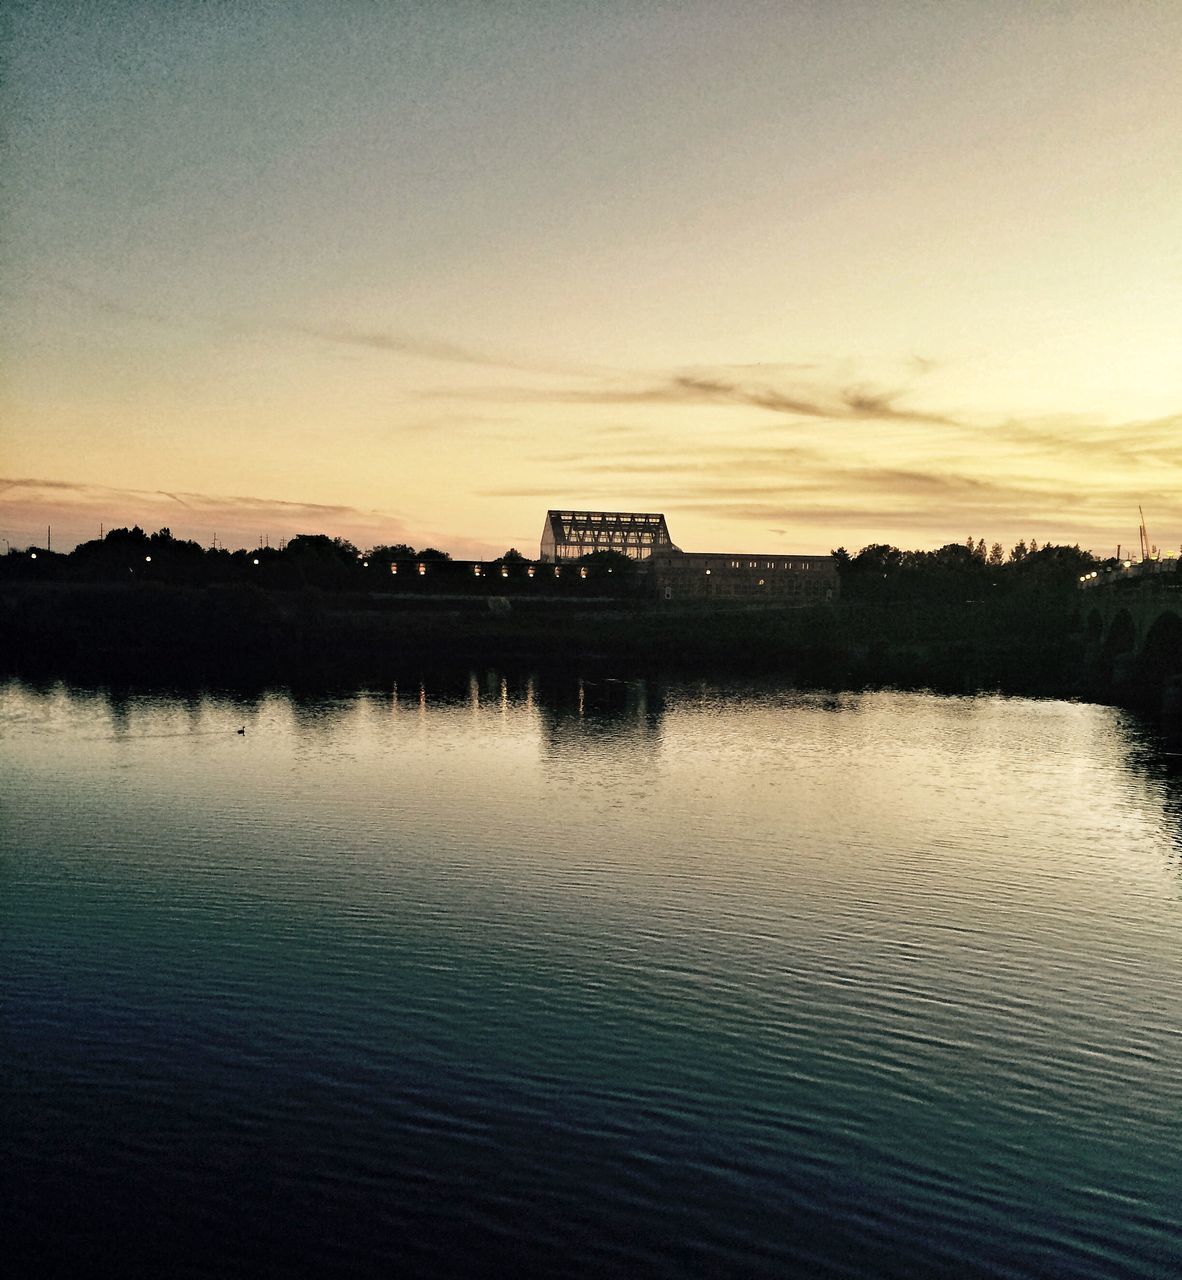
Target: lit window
(761, 582)
(529, 573)
(476, 570)
(393, 568)
(582, 571)
(422, 569)
(504, 571)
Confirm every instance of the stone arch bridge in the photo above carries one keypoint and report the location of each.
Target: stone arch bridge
(1133, 638)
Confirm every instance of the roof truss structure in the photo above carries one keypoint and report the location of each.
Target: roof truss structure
(637, 534)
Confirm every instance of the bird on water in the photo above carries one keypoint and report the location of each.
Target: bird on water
(242, 731)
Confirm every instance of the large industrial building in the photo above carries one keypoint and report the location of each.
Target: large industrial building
(567, 535)
(682, 575)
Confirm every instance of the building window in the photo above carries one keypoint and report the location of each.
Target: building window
(476, 570)
(393, 568)
(422, 570)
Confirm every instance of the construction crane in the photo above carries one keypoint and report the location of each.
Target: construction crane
(1148, 552)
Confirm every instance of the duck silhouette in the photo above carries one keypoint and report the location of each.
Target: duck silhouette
(242, 731)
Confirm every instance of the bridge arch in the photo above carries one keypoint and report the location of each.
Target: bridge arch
(1121, 637)
(1161, 654)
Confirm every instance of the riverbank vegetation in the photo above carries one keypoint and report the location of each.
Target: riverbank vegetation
(147, 606)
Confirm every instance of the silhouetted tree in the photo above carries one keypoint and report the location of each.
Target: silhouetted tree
(616, 561)
(1052, 567)
(322, 561)
(321, 546)
(383, 556)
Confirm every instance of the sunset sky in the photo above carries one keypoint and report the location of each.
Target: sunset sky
(797, 275)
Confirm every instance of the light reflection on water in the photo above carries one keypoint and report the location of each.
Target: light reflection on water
(501, 975)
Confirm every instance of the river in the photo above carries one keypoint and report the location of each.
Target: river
(555, 977)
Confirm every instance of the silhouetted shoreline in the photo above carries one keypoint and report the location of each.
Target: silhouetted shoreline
(226, 633)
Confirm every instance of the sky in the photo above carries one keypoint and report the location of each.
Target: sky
(798, 275)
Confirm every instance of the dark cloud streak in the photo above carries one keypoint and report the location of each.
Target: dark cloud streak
(855, 403)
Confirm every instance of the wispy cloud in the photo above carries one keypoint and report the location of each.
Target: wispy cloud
(922, 500)
(773, 386)
(1104, 445)
(797, 487)
(419, 346)
(76, 510)
(850, 403)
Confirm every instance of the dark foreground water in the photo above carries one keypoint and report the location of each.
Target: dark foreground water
(590, 979)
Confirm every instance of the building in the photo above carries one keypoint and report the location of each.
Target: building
(674, 574)
(735, 576)
(567, 535)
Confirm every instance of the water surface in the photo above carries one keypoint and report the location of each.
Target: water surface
(502, 977)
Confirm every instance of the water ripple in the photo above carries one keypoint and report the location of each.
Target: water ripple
(693, 981)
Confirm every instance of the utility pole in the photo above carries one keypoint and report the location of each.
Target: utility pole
(49, 537)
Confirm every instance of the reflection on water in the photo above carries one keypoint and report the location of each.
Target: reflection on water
(1155, 755)
(496, 974)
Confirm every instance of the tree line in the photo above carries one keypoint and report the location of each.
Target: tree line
(968, 571)
(308, 559)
